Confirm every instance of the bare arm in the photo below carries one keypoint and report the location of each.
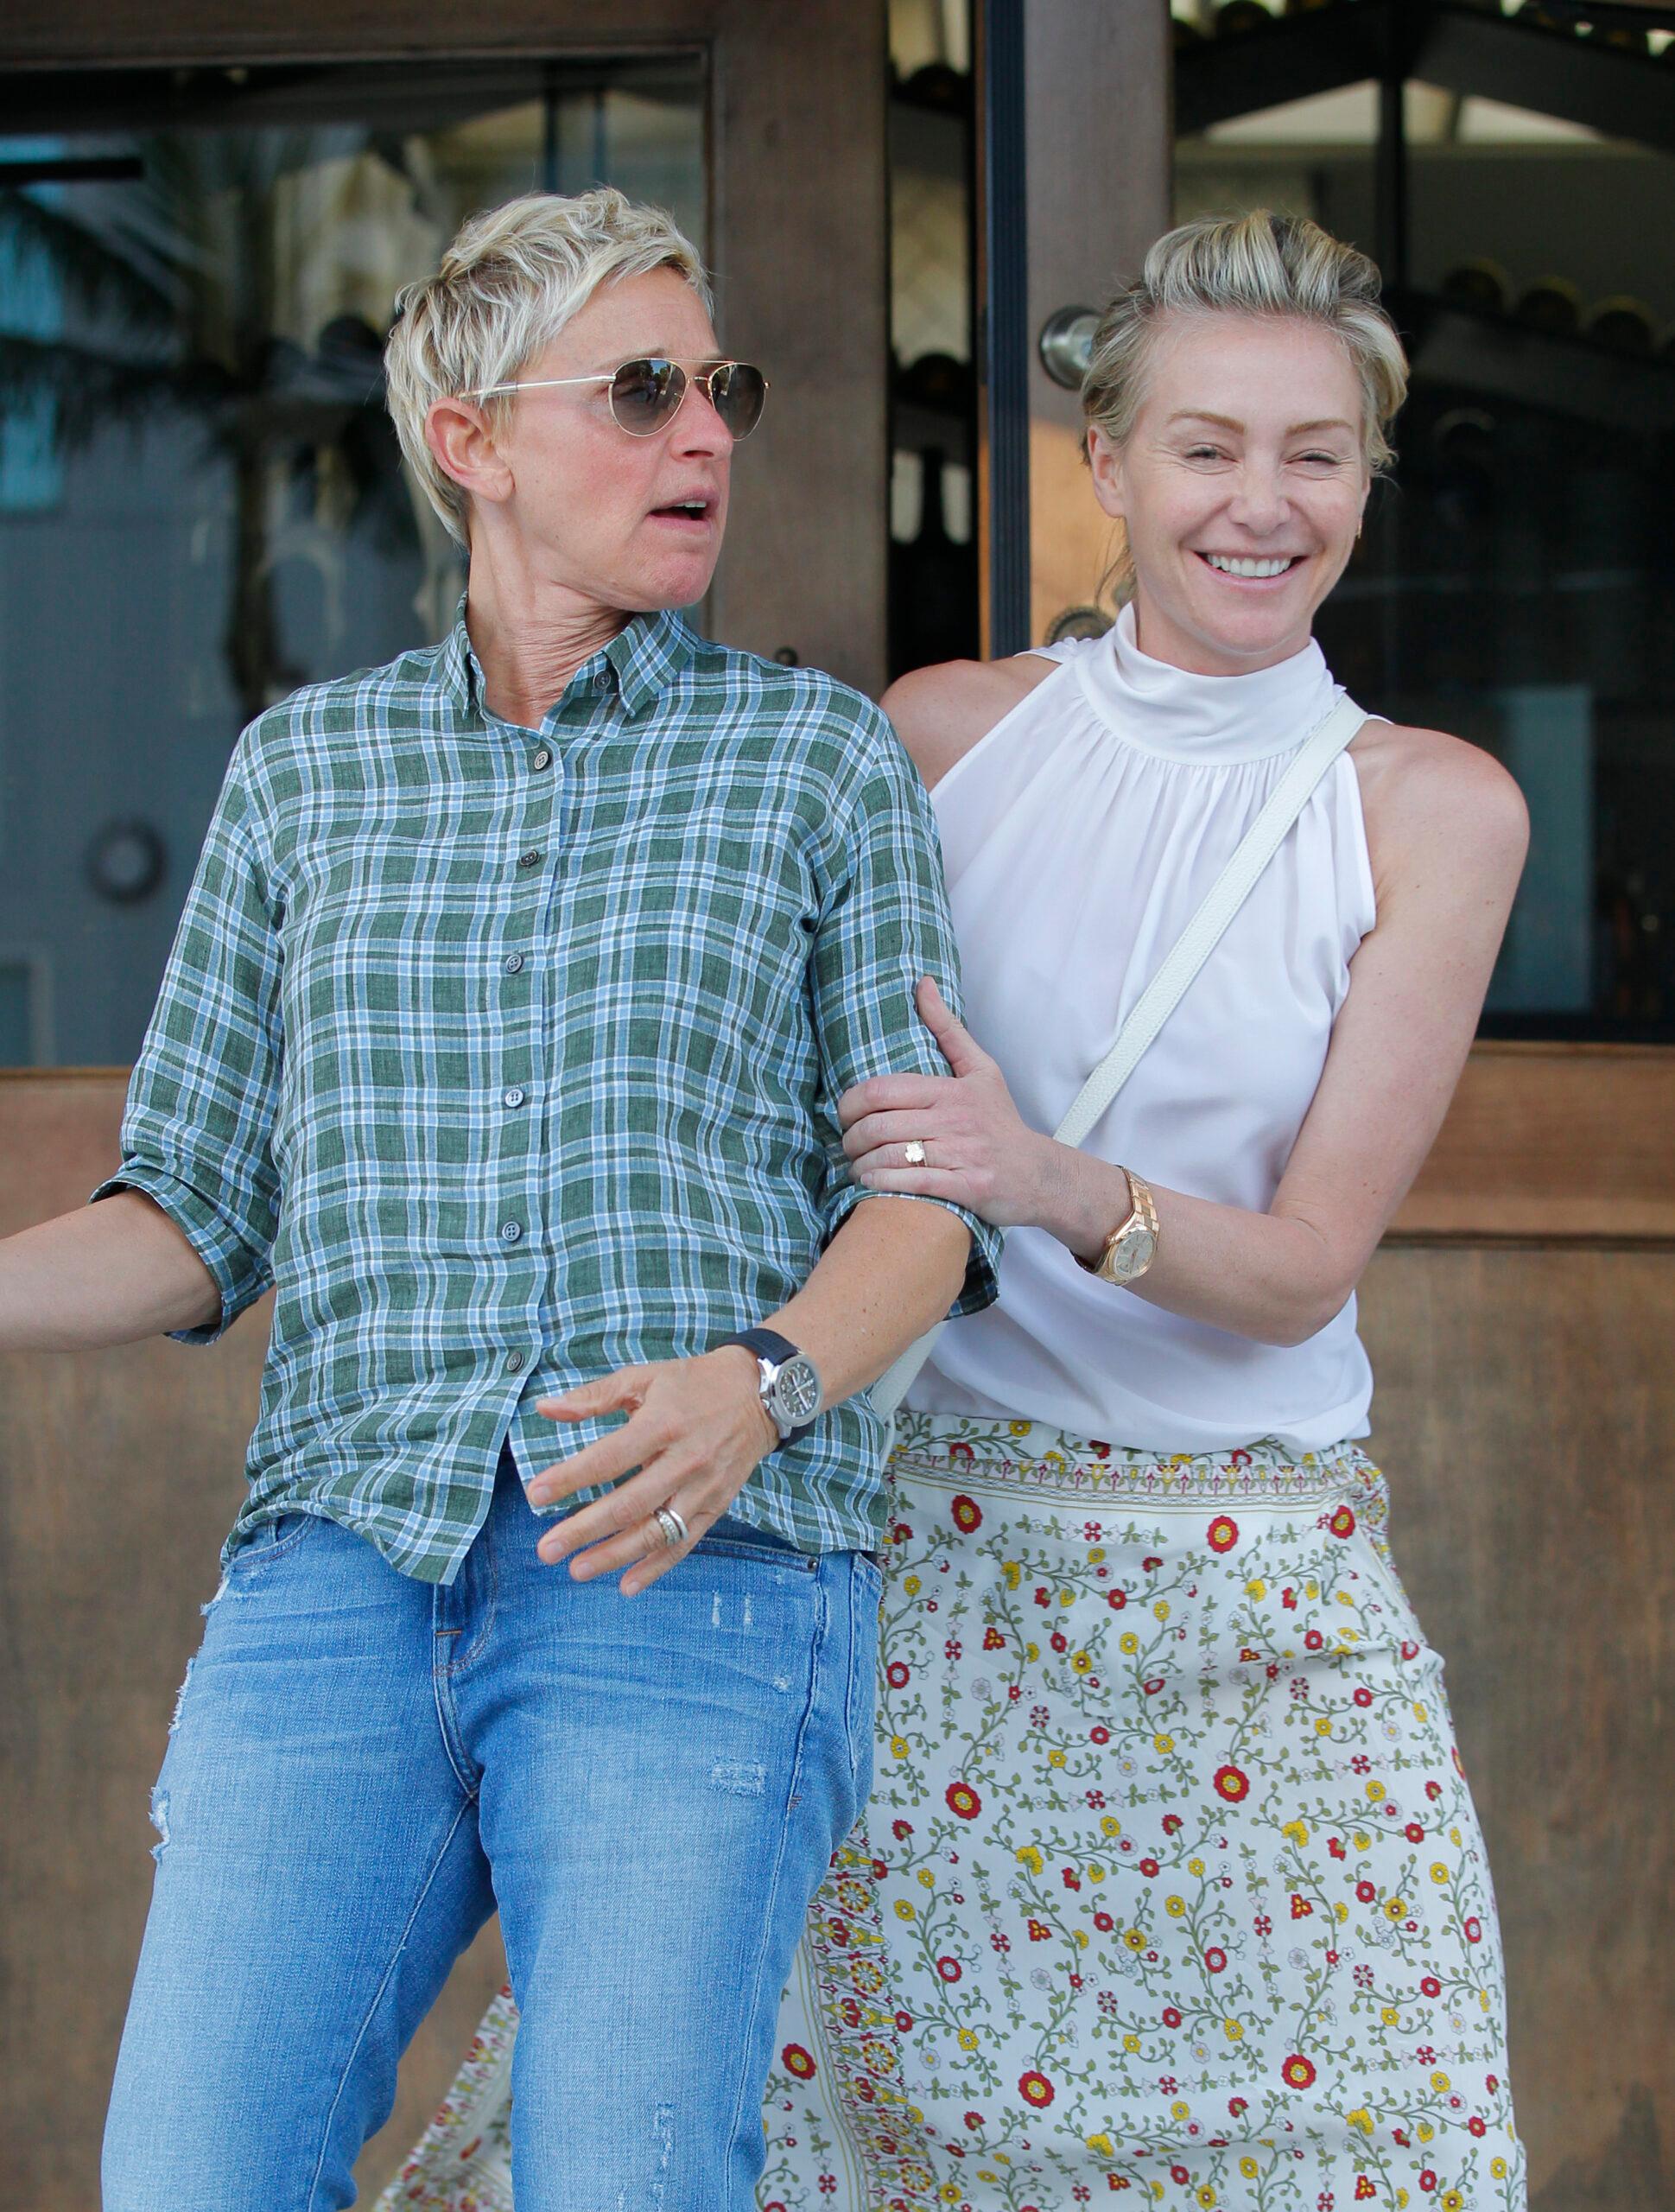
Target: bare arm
(1447, 831)
(105, 1275)
(941, 713)
(696, 1427)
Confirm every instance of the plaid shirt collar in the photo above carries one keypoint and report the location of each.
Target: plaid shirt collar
(643, 659)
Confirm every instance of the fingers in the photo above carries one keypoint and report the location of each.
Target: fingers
(946, 1182)
(875, 1132)
(607, 1394)
(642, 1554)
(607, 1458)
(619, 1512)
(882, 1094)
(657, 1559)
(621, 1534)
(953, 1040)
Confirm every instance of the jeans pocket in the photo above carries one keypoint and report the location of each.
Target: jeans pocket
(270, 1541)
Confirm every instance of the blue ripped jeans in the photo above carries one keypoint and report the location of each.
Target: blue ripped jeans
(363, 1767)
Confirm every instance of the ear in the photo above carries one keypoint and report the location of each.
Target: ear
(463, 447)
(1105, 460)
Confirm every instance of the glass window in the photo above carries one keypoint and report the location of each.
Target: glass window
(201, 505)
(1514, 583)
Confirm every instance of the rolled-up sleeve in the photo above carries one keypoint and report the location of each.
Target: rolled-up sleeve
(885, 924)
(197, 1130)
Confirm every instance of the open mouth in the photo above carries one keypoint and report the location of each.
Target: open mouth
(1248, 569)
(685, 510)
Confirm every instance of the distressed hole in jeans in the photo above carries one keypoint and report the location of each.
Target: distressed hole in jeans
(159, 1820)
(180, 1696)
(740, 1777)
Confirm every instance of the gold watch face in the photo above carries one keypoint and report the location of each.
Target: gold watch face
(1131, 1255)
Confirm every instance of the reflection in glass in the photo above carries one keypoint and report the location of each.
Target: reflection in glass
(201, 505)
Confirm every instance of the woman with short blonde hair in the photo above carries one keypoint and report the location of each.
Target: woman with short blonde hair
(504, 290)
(1176, 1884)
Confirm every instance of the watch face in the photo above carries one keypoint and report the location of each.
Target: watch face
(1133, 1256)
(796, 1394)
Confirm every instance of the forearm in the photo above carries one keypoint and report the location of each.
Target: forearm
(109, 1273)
(892, 1272)
(1266, 1276)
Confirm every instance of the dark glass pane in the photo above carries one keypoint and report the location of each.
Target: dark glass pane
(201, 504)
(1514, 583)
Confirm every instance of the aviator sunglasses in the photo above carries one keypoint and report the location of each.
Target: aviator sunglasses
(645, 394)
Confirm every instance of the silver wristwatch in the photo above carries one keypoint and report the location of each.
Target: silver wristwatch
(789, 1384)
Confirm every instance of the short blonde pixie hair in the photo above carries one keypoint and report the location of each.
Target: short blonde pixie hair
(506, 286)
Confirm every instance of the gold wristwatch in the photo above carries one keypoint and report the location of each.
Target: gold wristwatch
(1133, 1244)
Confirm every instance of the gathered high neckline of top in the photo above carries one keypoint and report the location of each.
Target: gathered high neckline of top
(1159, 709)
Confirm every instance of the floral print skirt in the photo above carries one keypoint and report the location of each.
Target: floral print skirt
(1170, 1884)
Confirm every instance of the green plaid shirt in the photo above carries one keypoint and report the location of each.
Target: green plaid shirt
(511, 1057)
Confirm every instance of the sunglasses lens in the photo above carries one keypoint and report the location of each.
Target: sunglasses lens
(737, 392)
(644, 394)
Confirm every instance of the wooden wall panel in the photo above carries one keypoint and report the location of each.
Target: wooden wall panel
(1098, 149)
(1554, 1140)
(1526, 1400)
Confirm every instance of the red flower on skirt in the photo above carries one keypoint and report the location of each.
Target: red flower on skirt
(1233, 1783)
(798, 2061)
(967, 1513)
(960, 1797)
(1036, 2089)
(1298, 2072)
(1223, 1533)
(1342, 1522)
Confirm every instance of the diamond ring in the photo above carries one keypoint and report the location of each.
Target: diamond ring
(675, 1531)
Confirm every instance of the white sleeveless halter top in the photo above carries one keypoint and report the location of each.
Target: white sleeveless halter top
(1080, 836)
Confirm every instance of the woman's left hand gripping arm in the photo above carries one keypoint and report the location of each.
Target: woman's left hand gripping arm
(978, 1150)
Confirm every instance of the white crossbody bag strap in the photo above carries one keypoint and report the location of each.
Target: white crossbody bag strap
(1164, 993)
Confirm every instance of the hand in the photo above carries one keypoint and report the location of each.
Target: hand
(696, 1428)
(980, 1153)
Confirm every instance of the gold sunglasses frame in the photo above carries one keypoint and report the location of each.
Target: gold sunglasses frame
(692, 377)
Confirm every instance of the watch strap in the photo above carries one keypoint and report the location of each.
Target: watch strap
(768, 1343)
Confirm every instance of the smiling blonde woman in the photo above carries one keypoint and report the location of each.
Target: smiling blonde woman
(1170, 1884)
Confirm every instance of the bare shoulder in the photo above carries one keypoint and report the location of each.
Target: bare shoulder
(940, 713)
(1429, 798)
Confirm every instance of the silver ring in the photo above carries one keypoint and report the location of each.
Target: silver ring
(674, 1530)
(914, 1154)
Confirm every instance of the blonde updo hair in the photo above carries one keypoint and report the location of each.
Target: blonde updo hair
(506, 286)
(1262, 264)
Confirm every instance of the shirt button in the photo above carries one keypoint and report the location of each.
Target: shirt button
(514, 1096)
(510, 1232)
(516, 1362)
(542, 757)
(528, 860)
(512, 962)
